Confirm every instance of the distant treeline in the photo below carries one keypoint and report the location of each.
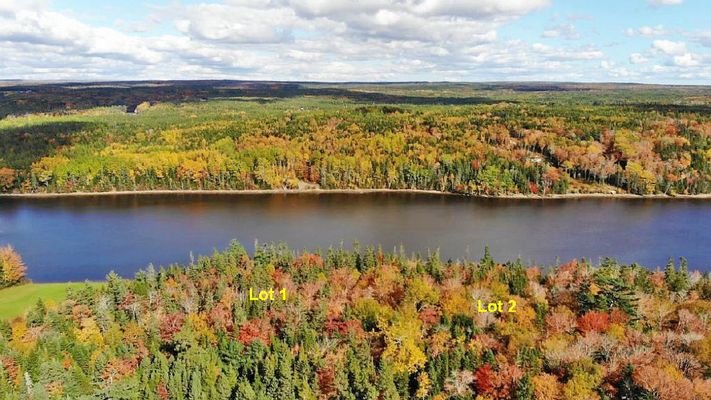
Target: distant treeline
(519, 146)
(365, 324)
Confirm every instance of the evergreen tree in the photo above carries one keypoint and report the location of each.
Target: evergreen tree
(386, 383)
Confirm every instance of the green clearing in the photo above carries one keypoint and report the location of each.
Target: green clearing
(16, 300)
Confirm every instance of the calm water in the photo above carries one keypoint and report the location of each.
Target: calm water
(84, 238)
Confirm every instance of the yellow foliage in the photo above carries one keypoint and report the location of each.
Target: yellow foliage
(546, 387)
(703, 350)
(421, 290)
(203, 332)
(20, 338)
(457, 303)
(499, 290)
(616, 331)
(581, 386)
(12, 268)
(89, 333)
(402, 338)
(423, 385)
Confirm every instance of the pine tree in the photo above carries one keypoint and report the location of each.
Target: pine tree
(670, 274)
(386, 383)
(524, 389)
(683, 281)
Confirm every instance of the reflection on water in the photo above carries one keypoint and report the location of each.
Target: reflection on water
(84, 238)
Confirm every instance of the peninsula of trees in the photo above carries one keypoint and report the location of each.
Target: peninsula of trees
(364, 324)
(470, 139)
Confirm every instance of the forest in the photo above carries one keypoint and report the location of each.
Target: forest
(365, 324)
(476, 139)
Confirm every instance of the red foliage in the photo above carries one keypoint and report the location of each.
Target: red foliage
(429, 316)
(118, 368)
(256, 329)
(7, 178)
(80, 312)
(11, 368)
(170, 325)
(618, 316)
(533, 187)
(484, 379)
(163, 393)
(564, 275)
(498, 385)
(594, 321)
(308, 260)
(326, 382)
(127, 301)
(221, 318)
(344, 328)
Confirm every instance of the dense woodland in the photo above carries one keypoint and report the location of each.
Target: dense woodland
(364, 324)
(472, 139)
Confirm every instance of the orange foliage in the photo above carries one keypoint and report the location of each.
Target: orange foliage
(221, 318)
(255, 329)
(163, 393)
(170, 325)
(12, 268)
(497, 385)
(594, 321)
(326, 382)
(345, 328)
(430, 316)
(618, 316)
(7, 178)
(12, 369)
(484, 379)
(546, 387)
(560, 320)
(308, 260)
(119, 368)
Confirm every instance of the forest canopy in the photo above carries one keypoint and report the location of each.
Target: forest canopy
(364, 324)
(470, 139)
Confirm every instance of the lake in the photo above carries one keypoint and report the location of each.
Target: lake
(79, 238)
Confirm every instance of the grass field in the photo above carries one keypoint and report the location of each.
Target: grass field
(16, 300)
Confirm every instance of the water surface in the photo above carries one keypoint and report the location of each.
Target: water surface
(78, 238)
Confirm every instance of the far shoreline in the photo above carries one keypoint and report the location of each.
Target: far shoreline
(352, 191)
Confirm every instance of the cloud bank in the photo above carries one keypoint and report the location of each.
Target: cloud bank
(325, 40)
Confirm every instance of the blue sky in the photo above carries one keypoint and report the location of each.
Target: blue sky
(649, 41)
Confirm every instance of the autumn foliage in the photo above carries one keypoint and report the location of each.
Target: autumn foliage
(507, 144)
(594, 321)
(12, 268)
(366, 325)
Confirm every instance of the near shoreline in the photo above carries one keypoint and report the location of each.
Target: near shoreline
(354, 191)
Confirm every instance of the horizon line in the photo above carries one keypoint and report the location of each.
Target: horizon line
(354, 82)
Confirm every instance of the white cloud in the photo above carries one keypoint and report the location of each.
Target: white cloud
(703, 38)
(64, 34)
(687, 60)
(614, 71)
(341, 40)
(567, 31)
(345, 9)
(659, 3)
(646, 31)
(637, 58)
(234, 24)
(669, 47)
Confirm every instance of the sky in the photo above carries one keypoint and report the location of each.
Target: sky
(646, 41)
